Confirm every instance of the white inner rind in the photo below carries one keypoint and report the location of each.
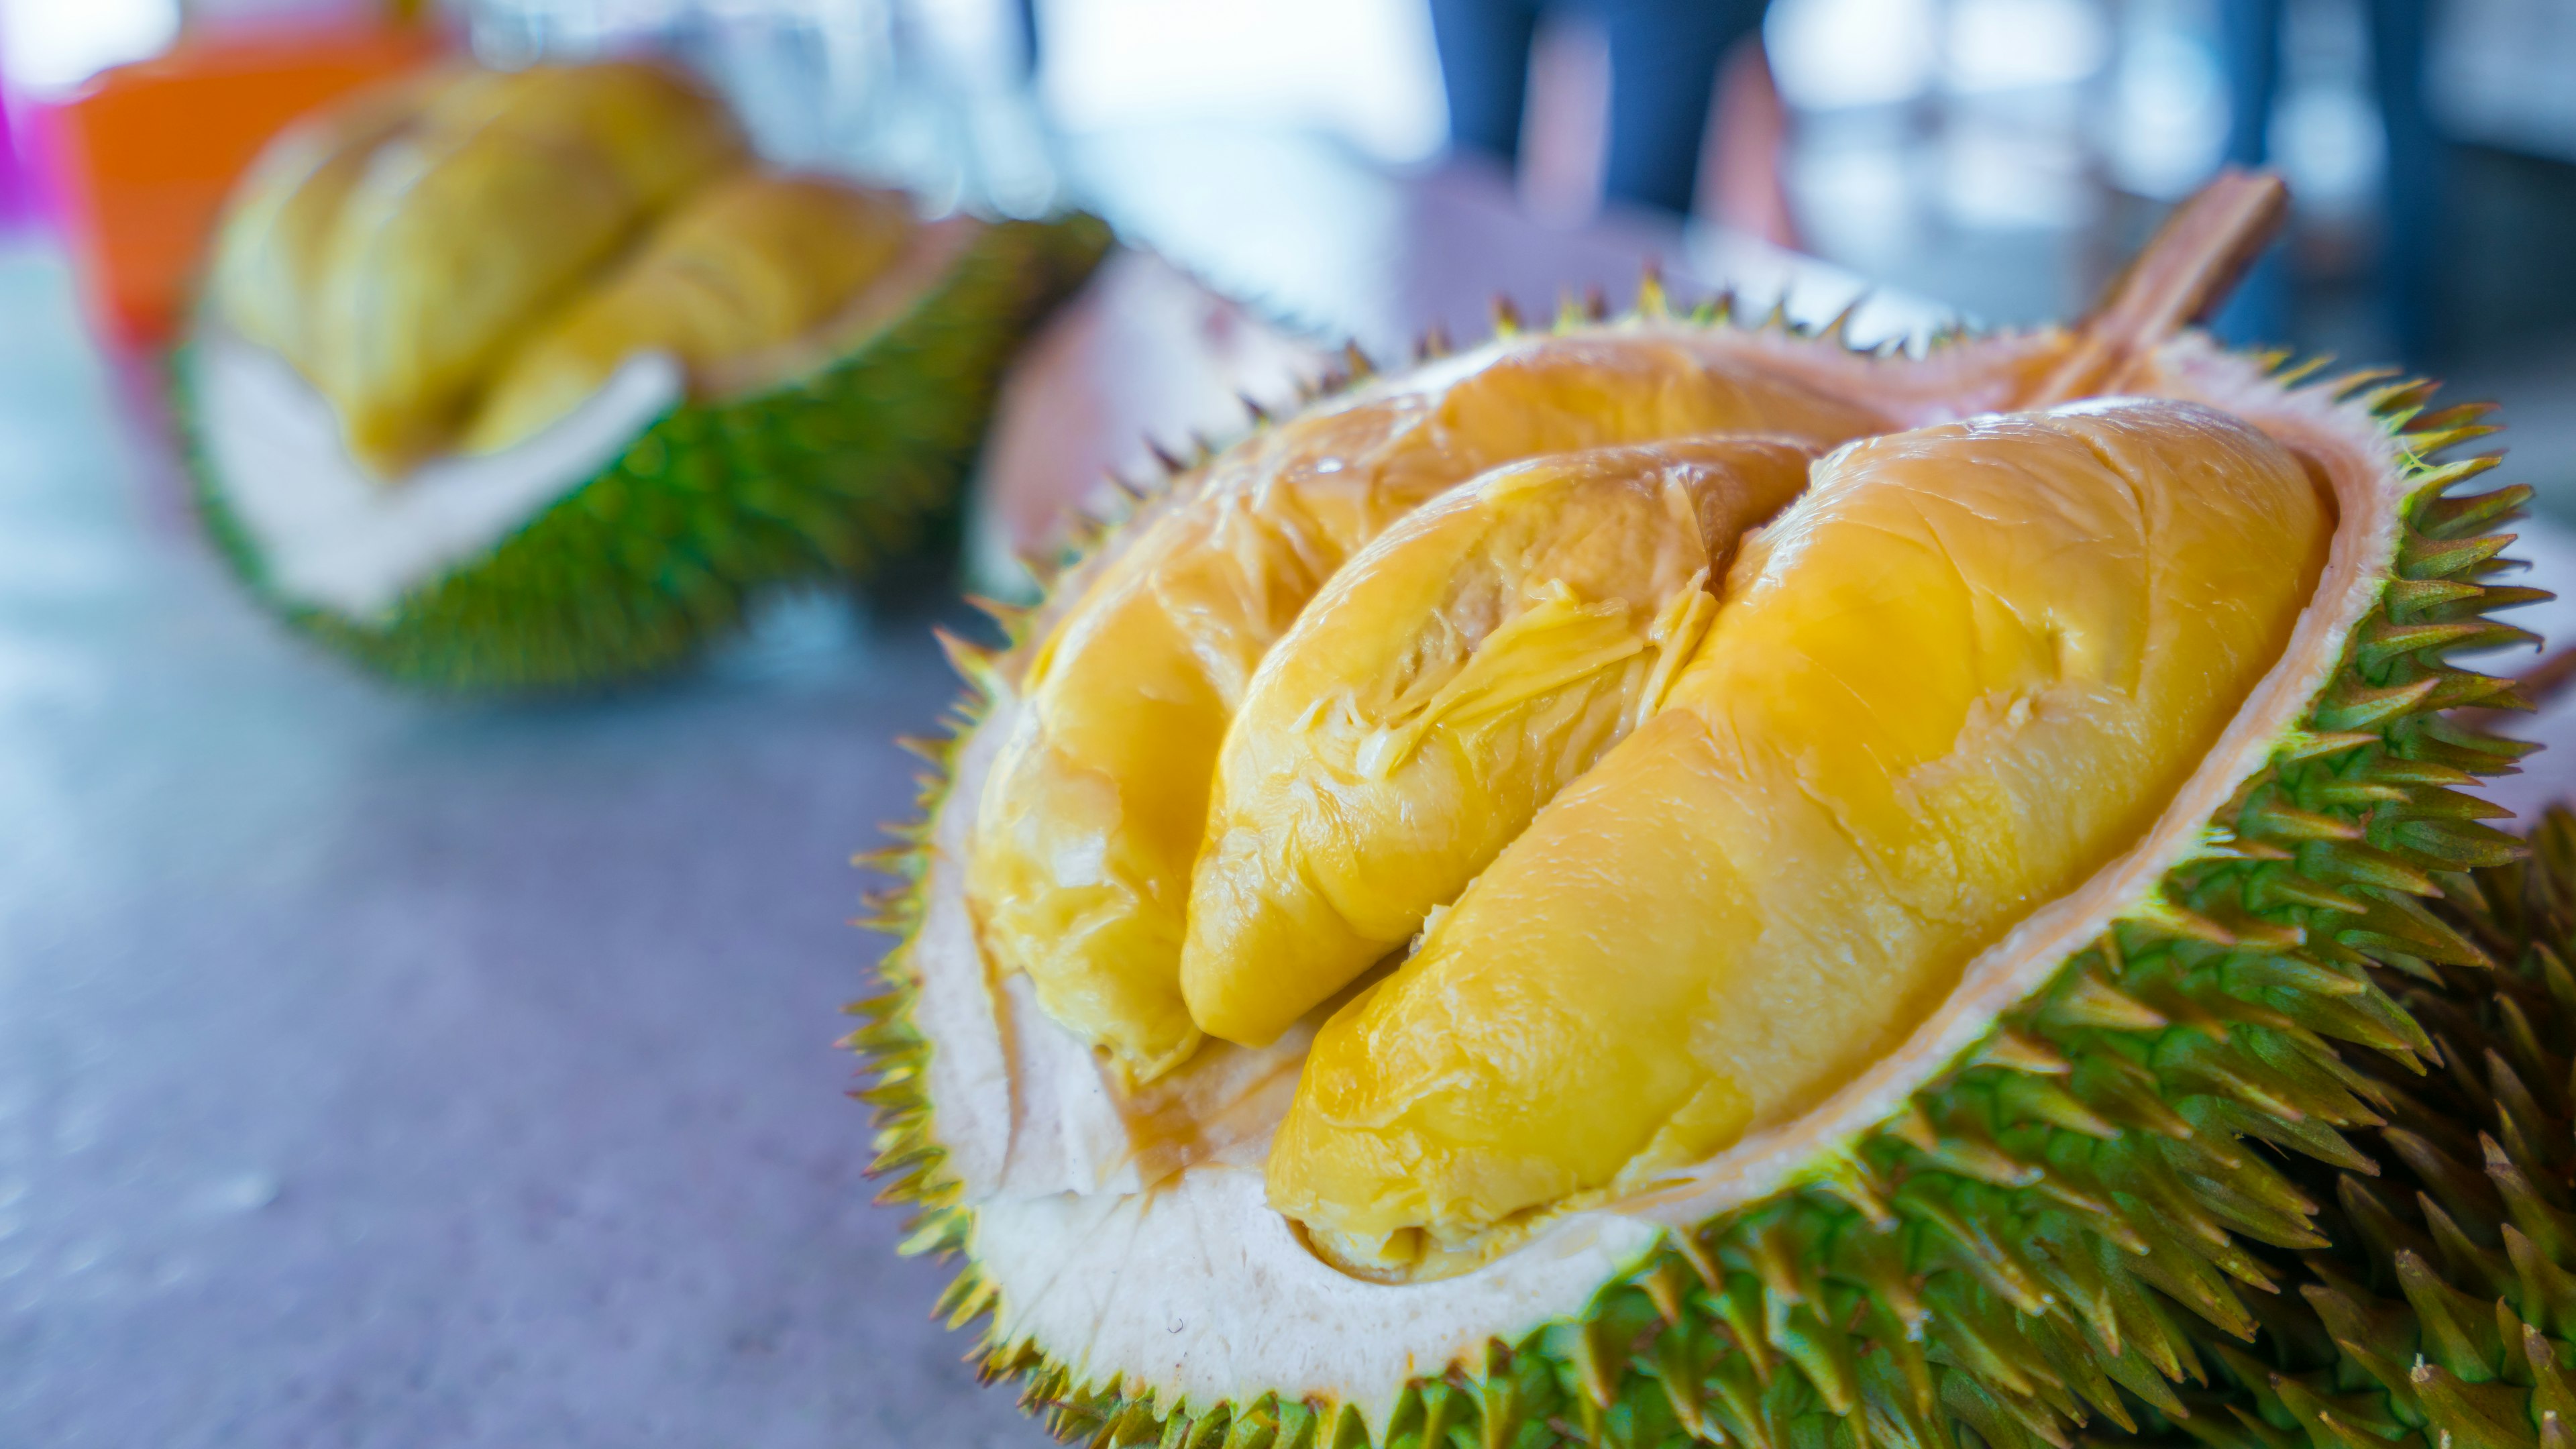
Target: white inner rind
(329, 533)
(1184, 1282)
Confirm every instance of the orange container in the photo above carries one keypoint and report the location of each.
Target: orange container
(143, 156)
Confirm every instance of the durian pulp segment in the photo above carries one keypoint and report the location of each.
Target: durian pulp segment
(1968, 668)
(278, 226)
(468, 223)
(1448, 680)
(1080, 862)
(745, 267)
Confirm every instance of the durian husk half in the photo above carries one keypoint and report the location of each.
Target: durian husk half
(2040, 1219)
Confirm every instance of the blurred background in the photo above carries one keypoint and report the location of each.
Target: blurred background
(393, 1071)
(1996, 157)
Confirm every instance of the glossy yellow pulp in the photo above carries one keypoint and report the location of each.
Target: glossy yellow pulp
(1968, 668)
(277, 230)
(1448, 680)
(427, 238)
(746, 265)
(1079, 865)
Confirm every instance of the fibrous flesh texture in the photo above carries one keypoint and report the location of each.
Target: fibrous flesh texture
(1964, 670)
(1086, 838)
(1447, 681)
(441, 257)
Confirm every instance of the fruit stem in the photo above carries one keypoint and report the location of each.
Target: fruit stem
(2195, 259)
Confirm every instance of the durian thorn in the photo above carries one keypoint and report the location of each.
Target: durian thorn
(2220, 843)
(2492, 597)
(2351, 704)
(2186, 270)
(2406, 397)
(2418, 595)
(2422, 557)
(1507, 316)
(1702, 1260)
(2346, 387)
(2432, 484)
(1003, 614)
(1838, 327)
(1915, 1129)
(2316, 744)
(1360, 364)
(1172, 466)
(1665, 1288)
(1679, 1376)
(1596, 1362)
(974, 663)
(1252, 407)
(2088, 1000)
(2297, 889)
(2296, 373)
(2013, 1051)
(2426, 438)
(1435, 344)
(1652, 302)
(2272, 816)
(2162, 910)
(1847, 1177)
(2383, 640)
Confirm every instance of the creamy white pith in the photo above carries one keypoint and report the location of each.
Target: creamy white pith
(1039, 1144)
(331, 535)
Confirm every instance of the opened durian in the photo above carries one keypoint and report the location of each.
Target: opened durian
(534, 378)
(1668, 882)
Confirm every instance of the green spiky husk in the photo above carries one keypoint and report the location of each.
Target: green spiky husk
(2443, 1315)
(633, 571)
(2054, 1237)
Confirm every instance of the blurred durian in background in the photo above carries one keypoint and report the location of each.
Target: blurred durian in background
(528, 379)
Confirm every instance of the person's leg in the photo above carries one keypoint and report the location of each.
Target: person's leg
(1664, 58)
(2413, 196)
(2249, 33)
(1484, 64)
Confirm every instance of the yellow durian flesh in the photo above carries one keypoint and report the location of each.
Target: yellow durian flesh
(278, 226)
(469, 224)
(1448, 680)
(1080, 858)
(1965, 670)
(744, 267)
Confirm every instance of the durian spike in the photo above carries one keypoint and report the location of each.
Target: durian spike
(1652, 302)
(2193, 262)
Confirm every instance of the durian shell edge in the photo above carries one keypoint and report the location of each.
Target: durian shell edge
(2039, 1232)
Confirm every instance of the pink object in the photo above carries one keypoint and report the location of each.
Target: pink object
(14, 190)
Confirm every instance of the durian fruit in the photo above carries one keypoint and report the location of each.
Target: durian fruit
(1911, 1018)
(530, 379)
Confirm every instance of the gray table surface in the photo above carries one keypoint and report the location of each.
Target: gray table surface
(375, 1071)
